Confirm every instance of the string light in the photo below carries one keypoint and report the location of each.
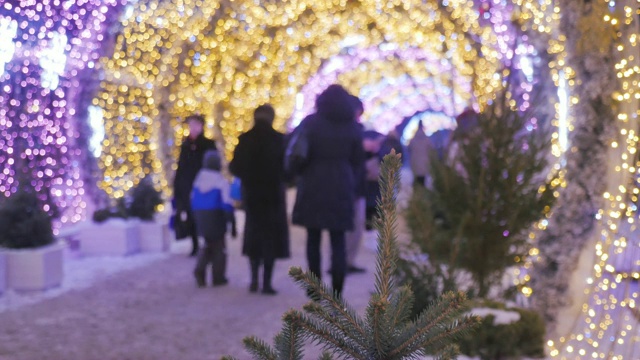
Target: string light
(43, 45)
(402, 82)
(174, 58)
(221, 61)
(608, 323)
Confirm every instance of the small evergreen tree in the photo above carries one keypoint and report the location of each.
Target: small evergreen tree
(140, 202)
(116, 209)
(23, 221)
(145, 199)
(387, 331)
(477, 214)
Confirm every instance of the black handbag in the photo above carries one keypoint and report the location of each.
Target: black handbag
(297, 153)
(181, 225)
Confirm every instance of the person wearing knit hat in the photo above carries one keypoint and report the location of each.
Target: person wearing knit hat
(212, 210)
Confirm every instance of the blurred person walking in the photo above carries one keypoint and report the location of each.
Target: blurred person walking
(258, 163)
(419, 148)
(327, 182)
(189, 163)
(354, 237)
(213, 212)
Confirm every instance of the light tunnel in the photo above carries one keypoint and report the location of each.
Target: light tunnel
(222, 59)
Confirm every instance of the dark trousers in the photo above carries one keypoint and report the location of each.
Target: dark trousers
(193, 233)
(255, 263)
(215, 253)
(419, 181)
(338, 256)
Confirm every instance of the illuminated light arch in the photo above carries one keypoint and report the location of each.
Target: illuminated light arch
(44, 46)
(404, 98)
(388, 64)
(221, 59)
(432, 122)
(397, 73)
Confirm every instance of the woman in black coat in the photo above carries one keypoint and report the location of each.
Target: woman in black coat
(189, 163)
(258, 162)
(327, 183)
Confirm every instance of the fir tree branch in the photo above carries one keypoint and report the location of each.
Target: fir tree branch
(335, 326)
(329, 301)
(444, 335)
(326, 337)
(381, 332)
(386, 224)
(379, 326)
(259, 348)
(443, 310)
(339, 324)
(289, 341)
(401, 306)
(325, 356)
(448, 352)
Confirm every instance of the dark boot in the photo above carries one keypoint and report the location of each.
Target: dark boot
(200, 282)
(255, 268)
(219, 263)
(195, 246)
(201, 267)
(266, 279)
(338, 261)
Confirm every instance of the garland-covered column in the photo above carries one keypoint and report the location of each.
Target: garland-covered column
(590, 71)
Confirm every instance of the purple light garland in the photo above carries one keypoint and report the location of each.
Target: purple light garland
(47, 44)
(411, 94)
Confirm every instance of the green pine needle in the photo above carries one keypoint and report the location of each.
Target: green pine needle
(259, 349)
(386, 332)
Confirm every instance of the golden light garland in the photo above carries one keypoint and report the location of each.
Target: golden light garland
(599, 332)
(221, 59)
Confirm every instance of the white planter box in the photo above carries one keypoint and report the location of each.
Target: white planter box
(154, 236)
(3, 272)
(34, 269)
(113, 237)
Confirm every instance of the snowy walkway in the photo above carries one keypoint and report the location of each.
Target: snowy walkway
(148, 307)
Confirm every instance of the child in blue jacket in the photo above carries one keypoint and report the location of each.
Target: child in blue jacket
(212, 210)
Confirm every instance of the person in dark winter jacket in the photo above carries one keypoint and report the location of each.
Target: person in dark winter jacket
(326, 186)
(354, 237)
(189, 163)
(258, 162)
(212, 211)
(373, 162)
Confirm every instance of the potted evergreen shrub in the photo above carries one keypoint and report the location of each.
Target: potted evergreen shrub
(154, 233)
(34, 260)
(110, 233)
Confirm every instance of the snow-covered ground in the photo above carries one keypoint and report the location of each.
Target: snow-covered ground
(79, 273)
(146, 306)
